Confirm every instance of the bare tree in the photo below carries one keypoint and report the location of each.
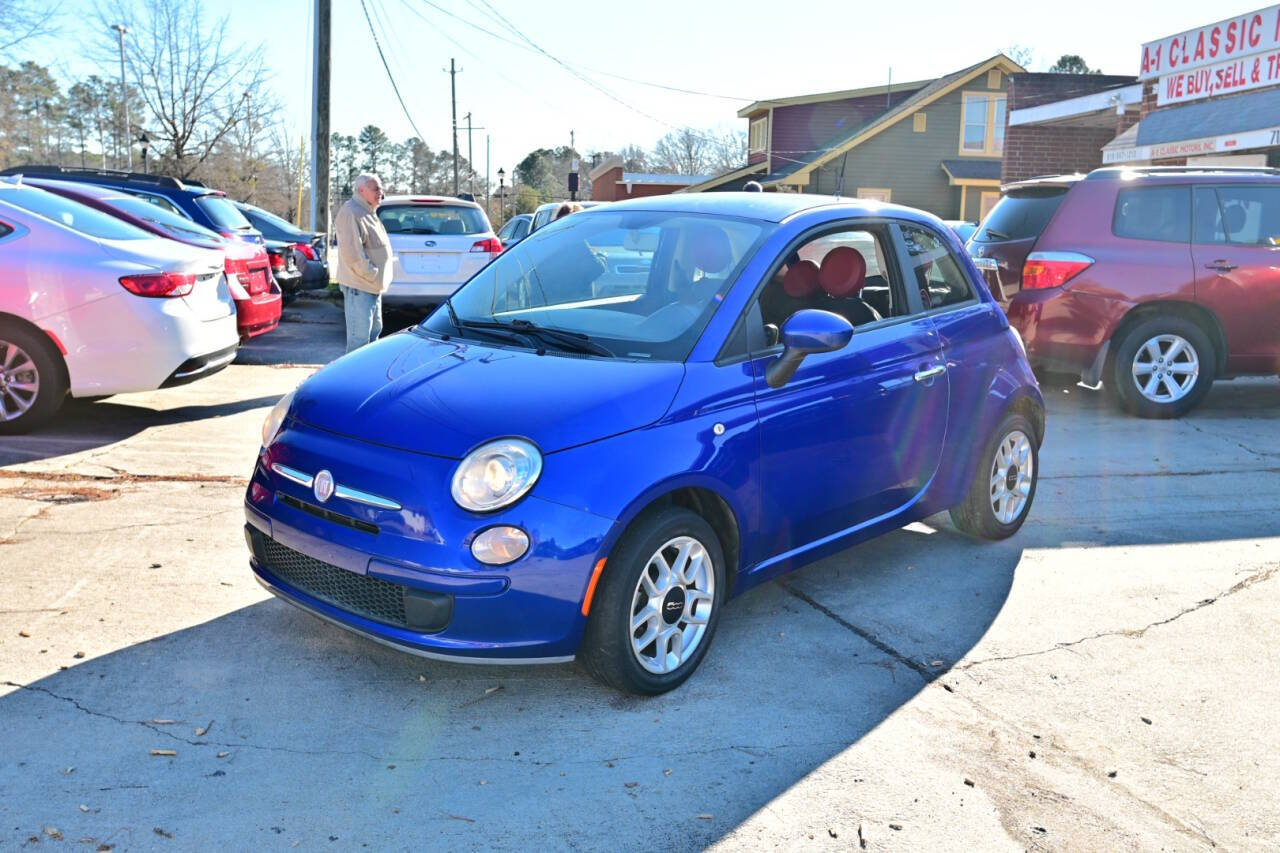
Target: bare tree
(195, 87)
(22, 20)
(728, 151)
(685, 152)
(1020, 54)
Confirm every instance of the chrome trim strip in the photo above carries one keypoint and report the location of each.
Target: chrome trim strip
(357, 496)
(402, 648)
(293, 474)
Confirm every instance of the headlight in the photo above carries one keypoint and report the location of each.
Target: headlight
(496, 474)
(275, 418)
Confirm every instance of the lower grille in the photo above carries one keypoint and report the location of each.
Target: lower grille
(372, 598)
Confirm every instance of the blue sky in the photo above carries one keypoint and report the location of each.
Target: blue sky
(744, 49)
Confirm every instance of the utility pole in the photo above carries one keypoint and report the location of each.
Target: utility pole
(487, 201)
(453, 96)
(573, 168)
(124, 95)
(320, 119)
(471, 168)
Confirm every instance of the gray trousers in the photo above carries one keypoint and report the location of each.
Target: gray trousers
(364, 316)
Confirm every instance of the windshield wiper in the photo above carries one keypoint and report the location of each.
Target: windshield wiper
(999, 235)
(575, 340)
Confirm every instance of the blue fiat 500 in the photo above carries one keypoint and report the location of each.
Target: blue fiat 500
(637, 413)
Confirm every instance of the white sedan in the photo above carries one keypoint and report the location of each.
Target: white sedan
(438, 243)
(94, 306)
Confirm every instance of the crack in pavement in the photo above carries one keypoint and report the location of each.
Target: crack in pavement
(924, 672)
(1138, 475)
(1133, 633)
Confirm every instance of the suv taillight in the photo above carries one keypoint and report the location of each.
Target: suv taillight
(1052, 269)
(159, 285)
(492, 245)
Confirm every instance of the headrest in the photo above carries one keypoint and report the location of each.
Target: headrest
(843, 272)
(452, 226)
(1235, 217)
(709, 249)
(801, 280)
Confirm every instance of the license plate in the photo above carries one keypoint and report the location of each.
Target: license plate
(429, 263)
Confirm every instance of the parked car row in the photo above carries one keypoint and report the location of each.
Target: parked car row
(108, 287)
(1154, 282)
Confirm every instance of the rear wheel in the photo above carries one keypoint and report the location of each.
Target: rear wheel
(1004, 484)
(32, 387)
(1162, 368)
(658, 604)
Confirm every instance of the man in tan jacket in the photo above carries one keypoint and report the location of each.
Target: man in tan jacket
(364, 261)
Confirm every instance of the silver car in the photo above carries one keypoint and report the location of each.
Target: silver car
(438, 243)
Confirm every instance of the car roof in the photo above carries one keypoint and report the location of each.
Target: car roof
(162, 184)
(769, 207)
(429, 199)
(78, 188)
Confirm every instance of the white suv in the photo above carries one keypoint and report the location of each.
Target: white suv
(93, 305)
(438, 243)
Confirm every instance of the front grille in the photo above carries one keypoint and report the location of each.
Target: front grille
(327, 514)
(372, 598)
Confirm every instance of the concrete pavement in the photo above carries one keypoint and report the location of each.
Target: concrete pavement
(1105, 679)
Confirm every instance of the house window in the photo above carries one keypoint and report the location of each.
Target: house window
(982, 125)
(917, 122)
(759, 134)
(993, 78)
(875, 193)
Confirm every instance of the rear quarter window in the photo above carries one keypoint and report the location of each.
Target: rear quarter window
(1021, 215)
(1162, 214)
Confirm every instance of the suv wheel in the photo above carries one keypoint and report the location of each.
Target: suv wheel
(32, 388)
(1162, 368)
(658, 604)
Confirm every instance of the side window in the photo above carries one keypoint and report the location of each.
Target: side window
(5, 230)
(1248, 215)
(1207, 217)
(1153, 213)
(162, 203)
(934, 270)
(842, 271)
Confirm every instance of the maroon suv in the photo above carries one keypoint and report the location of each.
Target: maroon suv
(1152, 281)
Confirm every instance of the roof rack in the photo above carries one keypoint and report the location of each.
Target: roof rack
(108, 174)
(1107, 171)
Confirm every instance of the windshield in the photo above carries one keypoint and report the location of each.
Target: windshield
(179, 227)
(641, 284)
(223, 213)
(432, 219)
(72, 214)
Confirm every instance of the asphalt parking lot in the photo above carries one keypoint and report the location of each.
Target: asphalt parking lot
(1107, 679)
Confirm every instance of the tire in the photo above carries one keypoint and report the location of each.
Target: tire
(986, 513)
(609, 647)
(33, 382)
(1180, 383)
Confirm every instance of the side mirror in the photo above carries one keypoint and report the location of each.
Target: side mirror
(806, 332)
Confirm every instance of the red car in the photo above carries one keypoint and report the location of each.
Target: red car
(1153, 281)
(256, 294)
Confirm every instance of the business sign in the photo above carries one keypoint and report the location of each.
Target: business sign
(1226, 144)
(1234, 38)
(1225, 78)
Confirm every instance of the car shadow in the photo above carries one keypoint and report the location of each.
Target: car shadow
(285, 725)
(86, 425)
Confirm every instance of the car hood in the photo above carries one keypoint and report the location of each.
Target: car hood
(446, 397)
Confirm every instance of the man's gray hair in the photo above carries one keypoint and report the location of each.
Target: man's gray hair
(362, 179)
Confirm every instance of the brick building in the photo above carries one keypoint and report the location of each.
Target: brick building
(610, 183)
(1207, 96)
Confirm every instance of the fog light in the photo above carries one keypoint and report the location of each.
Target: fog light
(500, 545)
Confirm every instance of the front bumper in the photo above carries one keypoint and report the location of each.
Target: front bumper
(406, 577)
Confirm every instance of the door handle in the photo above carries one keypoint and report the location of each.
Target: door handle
(1221, 265)
(930, 372)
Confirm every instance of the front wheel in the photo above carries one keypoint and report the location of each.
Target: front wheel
(1004, 484)
(657, 605)
(1162, 368)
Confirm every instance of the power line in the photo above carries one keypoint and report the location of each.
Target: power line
(650, 83)
(387, 68)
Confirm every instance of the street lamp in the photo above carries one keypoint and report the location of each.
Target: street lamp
(145, 142)
(124, 92)
(502, 193)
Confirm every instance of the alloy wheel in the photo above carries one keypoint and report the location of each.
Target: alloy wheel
(19, 381)
(671, 605)
(1012, 473)
(1165, 368)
